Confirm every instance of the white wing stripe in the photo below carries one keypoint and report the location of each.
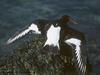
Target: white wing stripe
(77, 43)
(18, 36)
(32, 27)
(78, 57)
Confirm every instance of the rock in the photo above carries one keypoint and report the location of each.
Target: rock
(28, 59)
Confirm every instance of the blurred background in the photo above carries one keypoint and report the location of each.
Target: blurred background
(15, 15)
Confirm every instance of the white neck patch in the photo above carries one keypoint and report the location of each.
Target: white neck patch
(77, 43)
(53, 36)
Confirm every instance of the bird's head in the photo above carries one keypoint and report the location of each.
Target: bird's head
(64, 20)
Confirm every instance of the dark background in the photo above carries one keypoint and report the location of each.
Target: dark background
(18, 14)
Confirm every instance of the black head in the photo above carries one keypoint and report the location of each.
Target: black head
(64, 20)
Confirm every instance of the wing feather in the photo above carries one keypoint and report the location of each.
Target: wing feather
(18, 36)
(77, 54)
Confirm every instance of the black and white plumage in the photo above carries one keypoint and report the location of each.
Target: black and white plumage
(80, 63)
(32, 27)
(74, 48)
(45, 28)
(58, 33)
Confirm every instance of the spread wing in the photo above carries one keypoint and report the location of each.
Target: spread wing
(33, 27)
(18, 36)
(79, 59)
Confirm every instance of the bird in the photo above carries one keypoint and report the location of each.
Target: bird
(72, 43)
(45, 28)
(59, 38)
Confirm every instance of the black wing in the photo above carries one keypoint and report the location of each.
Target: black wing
(78, 54)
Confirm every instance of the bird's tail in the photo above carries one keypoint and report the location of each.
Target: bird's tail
(18, 36)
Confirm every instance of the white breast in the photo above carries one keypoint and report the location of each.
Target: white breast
(53, 36)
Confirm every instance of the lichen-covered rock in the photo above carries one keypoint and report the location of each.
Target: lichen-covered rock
(28, 59)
